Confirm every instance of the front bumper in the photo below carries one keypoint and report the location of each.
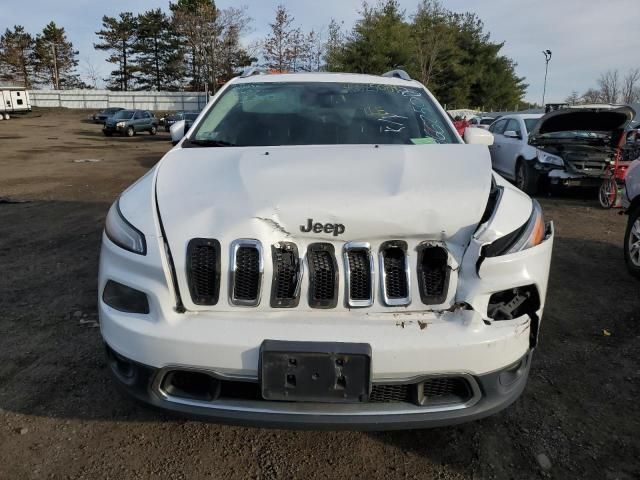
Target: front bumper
(405, 345)
(494, 392)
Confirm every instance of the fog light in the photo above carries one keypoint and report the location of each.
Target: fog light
(125, 299)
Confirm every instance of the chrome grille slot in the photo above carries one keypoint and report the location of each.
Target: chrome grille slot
(246, 272)
(323, 276)
(203, 270)
(395, 273)
(287, 274)
(359, 274)
(433, 274)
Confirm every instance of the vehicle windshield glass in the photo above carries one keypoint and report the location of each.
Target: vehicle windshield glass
(306, 113)
(530, 123)
(190, 116)
(487, 121)
(123, 114)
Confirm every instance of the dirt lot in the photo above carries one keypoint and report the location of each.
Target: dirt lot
(61, 416)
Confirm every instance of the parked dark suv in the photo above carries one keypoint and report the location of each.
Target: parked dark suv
(130, 122)
(102, 115)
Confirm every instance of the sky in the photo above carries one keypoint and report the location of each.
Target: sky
(587, 37)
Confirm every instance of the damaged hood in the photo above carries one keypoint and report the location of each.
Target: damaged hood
(363, 193)
(560, 126)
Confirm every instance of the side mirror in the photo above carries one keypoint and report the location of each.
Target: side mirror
(478, 136)
(511, 134)
(178, 131)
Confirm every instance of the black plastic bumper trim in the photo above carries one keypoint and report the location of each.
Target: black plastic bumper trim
(496, 396)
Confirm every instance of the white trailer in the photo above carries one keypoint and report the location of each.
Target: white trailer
(13, 100)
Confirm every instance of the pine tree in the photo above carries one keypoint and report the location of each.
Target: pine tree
(17, 57)
(379, 40)
(118, 37)
(56, 59)
(281, 47)
(159, 55)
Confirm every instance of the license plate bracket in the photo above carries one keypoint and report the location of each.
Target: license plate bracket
(335, 372)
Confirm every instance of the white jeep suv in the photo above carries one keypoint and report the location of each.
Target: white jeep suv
(323, 250)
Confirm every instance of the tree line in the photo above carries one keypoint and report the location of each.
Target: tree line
(47, 58)
(198, 46)
(612, 88)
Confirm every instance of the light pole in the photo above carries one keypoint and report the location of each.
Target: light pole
(547, 57)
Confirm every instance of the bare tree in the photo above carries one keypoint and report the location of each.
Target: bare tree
(573, 99)
(91, 73)
(609, 83)
(630, 89)
(591, 96)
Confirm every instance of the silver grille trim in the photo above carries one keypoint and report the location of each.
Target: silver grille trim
(235, 246)
(363, 246)
(395, 301)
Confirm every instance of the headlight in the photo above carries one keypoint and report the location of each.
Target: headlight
(544, 157)
(529, 235)
(122, 233)
(120, 124)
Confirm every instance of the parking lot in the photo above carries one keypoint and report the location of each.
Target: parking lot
(61, 416)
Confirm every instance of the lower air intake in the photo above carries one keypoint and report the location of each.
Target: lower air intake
(433, 274)
(323, 276)
(246, 272)
(203, 270)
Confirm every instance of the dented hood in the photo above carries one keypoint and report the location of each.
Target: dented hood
(608, 121)
(268, 193)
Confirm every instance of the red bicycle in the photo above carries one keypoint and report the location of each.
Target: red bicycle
(612, 185)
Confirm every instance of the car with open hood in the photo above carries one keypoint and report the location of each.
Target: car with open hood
(578, 144)
(323, 250)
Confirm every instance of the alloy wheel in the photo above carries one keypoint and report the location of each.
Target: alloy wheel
(634, 243)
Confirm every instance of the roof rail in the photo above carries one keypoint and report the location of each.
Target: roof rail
(250, 71)
(397, 74)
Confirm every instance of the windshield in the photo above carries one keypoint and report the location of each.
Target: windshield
(123, 114)
(305, 113)
(191, 116)
(486, 121)
(529, 123)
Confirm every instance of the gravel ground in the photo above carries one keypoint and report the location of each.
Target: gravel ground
(62, 417)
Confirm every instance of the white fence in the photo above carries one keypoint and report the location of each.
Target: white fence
(92, 99)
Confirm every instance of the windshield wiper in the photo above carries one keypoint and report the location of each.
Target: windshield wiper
(208, 143)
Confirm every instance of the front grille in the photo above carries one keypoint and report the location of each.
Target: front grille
(203, 270)
(285, 285)
(359, 275)
(246, 273)
(433, 274)
(323, 276)
(395, 274)
(390, 393)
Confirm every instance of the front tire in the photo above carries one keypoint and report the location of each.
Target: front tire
(6, 116)
(632, 243)
(130, 132)
(526, 177)
(153, 130)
